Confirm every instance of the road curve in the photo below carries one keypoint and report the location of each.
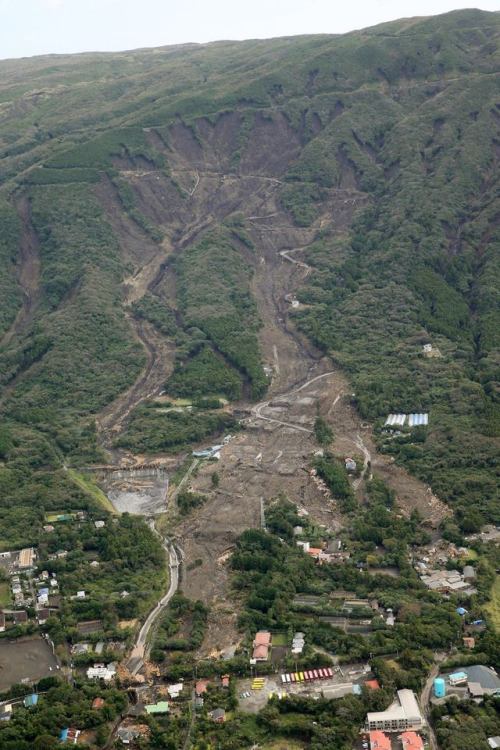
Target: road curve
(257, 409)
(140, 649)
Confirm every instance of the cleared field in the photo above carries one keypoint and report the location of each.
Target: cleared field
(26, 660)
(493, 606)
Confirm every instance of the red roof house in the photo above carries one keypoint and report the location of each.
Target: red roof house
(261, 645)
(98, 703)
(379, 741)
(372, 684)
(201, 687)
(412, 741)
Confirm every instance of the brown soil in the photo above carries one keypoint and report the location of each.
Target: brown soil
(272, 455)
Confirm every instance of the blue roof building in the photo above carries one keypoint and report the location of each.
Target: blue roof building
(31, 700)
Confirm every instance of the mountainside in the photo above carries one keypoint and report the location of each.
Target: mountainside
(144, 171)
(266, 247)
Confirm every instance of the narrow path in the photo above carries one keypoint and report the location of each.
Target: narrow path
(286, 255)
(358, 442)
(184, 479)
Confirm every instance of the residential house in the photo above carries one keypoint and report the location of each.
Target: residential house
(18, 618)
(127, 735)
(98, 703)
(225, 680)
(2, 622)
(175, 690)
(261, 645)
(201, 687)
(379, 741)
(218, 715)
(102, 672)
(411, 741)
(69, 735)
(42, 616)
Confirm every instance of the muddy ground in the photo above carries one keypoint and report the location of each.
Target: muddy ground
(25, 660)
(273, 452)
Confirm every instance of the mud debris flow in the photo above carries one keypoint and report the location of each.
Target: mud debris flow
(272, 454)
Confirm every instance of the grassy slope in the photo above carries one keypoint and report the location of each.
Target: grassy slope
(494, 606)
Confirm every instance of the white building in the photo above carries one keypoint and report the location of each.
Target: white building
(175, 690)
(102, 672)
(401, 715)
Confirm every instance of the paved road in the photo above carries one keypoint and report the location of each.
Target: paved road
(139, 652)
(425, 699)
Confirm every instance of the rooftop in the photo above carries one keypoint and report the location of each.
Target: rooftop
(157, 708)
(412, 741)
(379, 741)
(262, 638)
(405, 707)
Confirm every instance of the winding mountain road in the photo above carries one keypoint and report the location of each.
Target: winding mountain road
(141, 646)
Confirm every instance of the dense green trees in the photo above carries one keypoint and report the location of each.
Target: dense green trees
(154, 428)
(60, 705)
(213, 290)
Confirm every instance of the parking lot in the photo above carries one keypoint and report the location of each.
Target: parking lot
(337, 686)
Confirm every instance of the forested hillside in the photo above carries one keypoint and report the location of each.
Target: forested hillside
(402, 120)
(253, 252)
